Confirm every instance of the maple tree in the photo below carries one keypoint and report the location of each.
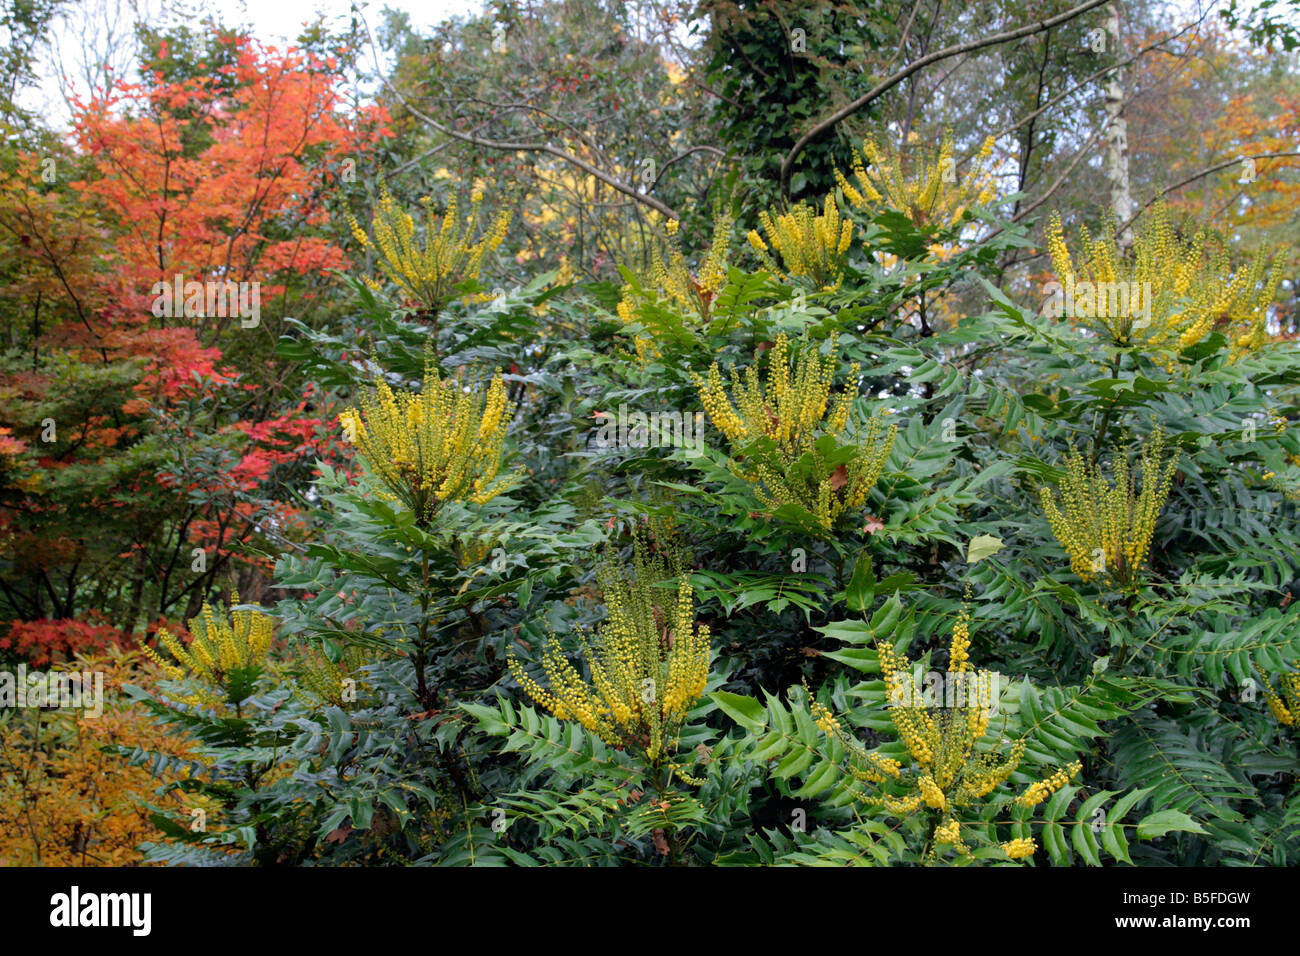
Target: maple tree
(145, 447)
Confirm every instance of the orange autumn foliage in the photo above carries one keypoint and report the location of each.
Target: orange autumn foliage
(66, 798)
(1222, 105)
(220, 175)
(273, 132)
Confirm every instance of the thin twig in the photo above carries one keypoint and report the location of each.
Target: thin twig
(893, 80)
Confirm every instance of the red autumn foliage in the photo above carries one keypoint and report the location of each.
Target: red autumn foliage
(49, 642)
(218, 177)
(45, 642)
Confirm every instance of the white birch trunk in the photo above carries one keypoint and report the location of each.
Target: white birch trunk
(1121, 198)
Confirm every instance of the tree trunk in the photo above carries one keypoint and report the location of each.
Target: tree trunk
(128, 621)
(1121, 199)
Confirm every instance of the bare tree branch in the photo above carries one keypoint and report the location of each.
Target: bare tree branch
(1204, 172)
(893, 80)
(907, 32)
(511, 146)
(1084, 82)
(680, 156)
(1060, 181)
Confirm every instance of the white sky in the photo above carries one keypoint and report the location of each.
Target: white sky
(284, 18)
(270, 21)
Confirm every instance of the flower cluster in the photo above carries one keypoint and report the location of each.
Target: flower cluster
(790, 441)
(1020, 848)
(950, 773)
(1040, 790)
(672, 283)
(1170, 293)
(427, 270)
(809, 245)
(950, 768)
(1284, 705)
(317, 679)
(648, 665)
(864, 765)
(228, 655)
(1107, 528)
(930, 196)
(441, 444)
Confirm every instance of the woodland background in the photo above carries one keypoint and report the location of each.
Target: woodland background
(150, 466)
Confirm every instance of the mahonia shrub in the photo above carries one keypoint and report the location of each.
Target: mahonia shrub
(810, 245)
(1106, 528)
(653, 308)
(956, 769)
(326, 676)
(1168, 294)
(427, 267)
(450, 682)
(444, 443)
(789, 441)
(249, 715)
(648, 664)
(225, 658)
(927, 189)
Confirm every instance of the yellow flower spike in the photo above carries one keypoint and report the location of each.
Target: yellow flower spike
(1020, 848)
(901, 806)
(449, 254)
(227, 654)
(1058, 251)
(931, 196)
(931, 793)
(809, 245)
(948, 832)
(318, 681)
(824, 719)
(953, 766)
(1105, 528)
(854, 197)
(1039, 791)
(959, 648)
(1284, 703)
(672, 285)
(1167, 294)
(647, 667)
(439, 445)
(791, 410)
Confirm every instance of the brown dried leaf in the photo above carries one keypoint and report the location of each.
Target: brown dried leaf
(661, 842)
